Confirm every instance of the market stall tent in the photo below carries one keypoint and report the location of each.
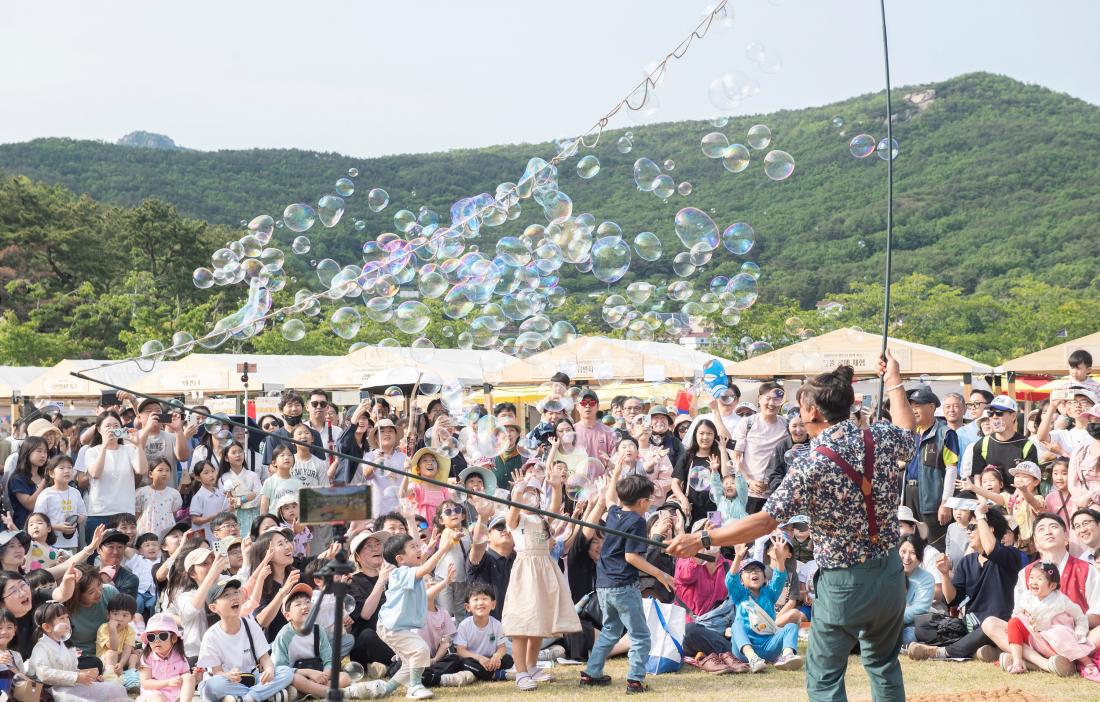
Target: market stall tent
(56, 382)
(1052, 361)
(350, 372)
(858, 349)
(14, 378)
(216, 373)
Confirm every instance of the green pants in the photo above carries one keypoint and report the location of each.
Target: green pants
(864, 603)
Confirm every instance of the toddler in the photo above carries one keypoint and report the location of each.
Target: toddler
(55, 664)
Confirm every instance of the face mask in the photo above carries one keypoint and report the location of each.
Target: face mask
(997, 424)
(293, 421)
(1093, 428)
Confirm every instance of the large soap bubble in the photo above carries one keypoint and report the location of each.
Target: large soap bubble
(299, 217)
(330, 209)
(881, 149)
(778, 165)
(738, 238)
(647, 246)
(412, 316)
(862, 145)
(714, 145)
(377, 199)
(645, 173)
(759, 136)
(610, 259)
(588, 167)
(694, 227)
(742, 289)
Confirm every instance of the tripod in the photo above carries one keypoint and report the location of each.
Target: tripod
(336, 587)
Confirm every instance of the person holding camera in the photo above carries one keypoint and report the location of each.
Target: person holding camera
(115, 456)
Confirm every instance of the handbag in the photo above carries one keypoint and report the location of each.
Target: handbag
(666, 623)
(759, 621)
(314, 663)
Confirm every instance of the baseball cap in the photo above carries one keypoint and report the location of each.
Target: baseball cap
(589, 393)
(299, 588)
(384, 423)
(146, 402)
(658, 410)
(219, 588)
(744, 405)
(114, 536)
(495, 521)
(750, 563)
(1026, 468)
(196, 557)
(1092, 414)
(905, 514)
(229, 542)
(1003, 403)
(923, 396)
(799, 519)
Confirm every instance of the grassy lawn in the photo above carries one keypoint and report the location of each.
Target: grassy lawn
(921, 679)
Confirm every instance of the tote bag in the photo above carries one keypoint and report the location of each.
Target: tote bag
(666, 623)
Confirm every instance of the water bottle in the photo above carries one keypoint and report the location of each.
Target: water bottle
(584, 600)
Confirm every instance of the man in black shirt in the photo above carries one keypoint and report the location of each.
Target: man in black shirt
(491, 557)
(1006, 446)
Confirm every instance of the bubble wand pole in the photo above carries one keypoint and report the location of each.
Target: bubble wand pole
(889, 203)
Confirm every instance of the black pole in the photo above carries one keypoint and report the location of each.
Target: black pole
(889, 203)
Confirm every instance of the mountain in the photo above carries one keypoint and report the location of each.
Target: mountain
(994, 191)
(149, 140)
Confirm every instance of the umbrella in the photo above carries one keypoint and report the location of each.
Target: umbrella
(405, 378)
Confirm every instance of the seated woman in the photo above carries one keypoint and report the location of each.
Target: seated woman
(920, 583)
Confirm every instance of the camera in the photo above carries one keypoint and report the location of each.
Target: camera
(119, 433)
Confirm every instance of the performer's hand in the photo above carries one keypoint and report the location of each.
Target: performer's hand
(684, 546)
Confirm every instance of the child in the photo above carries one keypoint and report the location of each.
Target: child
(61, 503)
(757, 636)
(208, 501)
(231, 547)
(165, 674)
(279, 482)
(404, 611)
(235, 654)
(141, 564)
(1080, 370)
(114, 641)
(537, 604)
(55, 664)
(12, 676)
(42, 552)
(127, 524)
(480, 640)
(309, 655)
(240, 485)
(438, 632)
(1025, 504)
(617, 581)
(1058, 500)
(989, 486)
(157, 504)
(451, 515)
(286, 509)
(958, 537)
(427, 498)
(730, 494)
(1048, 621)
(326, 606)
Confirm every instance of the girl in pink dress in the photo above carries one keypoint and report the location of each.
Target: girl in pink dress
(1051, 623)
(425, 496)
(165, 674)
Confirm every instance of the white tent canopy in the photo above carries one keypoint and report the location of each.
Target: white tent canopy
(57, 382)
(14, 378)
(216, 373)
(470, 367)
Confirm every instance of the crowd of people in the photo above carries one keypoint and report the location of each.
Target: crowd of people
(158, 551)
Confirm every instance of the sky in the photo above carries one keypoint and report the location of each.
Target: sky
(369, 78)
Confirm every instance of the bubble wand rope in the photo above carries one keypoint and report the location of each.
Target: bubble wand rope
(649, 82)
(175, 404)
(889, 204)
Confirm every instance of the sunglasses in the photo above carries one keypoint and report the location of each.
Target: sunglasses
(318, 404)
(975, 405)
(160, 636)
(971, 528)
(998, 413)
(270, 426)
(452, 511)
(588, 403)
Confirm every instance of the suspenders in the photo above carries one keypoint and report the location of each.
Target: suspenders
(864, 480)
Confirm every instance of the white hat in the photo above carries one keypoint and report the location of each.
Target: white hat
(905, 514)
(1003, 403)
(1026, 468)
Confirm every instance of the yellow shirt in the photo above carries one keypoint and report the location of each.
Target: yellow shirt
(103, 639)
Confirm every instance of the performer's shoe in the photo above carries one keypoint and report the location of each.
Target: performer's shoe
(987, 654)
(923, 652)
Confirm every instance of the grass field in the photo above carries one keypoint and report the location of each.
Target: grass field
(926, 678)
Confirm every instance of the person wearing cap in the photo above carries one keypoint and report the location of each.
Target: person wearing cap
(309, 655)
(1006, 446)
(235, 652)
(1077, 407)
(167, 672)
(930, 475)
(510, 459)
(849, 487)
(551, 412)
(492, 553)
(111, 552)
(368, 589)
(384, 483)
(755, 440)
(662, 436)
(1025, 503)
(594, 437)
(744, 409)
(1084, 465)
(291, 408)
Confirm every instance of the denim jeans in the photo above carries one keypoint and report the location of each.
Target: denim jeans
(216, 687)
(622, 611)
(767, 646)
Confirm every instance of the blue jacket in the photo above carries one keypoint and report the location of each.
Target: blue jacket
(918, 598)
(740, 594)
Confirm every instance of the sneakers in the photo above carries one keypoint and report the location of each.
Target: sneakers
(789, 661)
(923, 652)
(419, 692)
(552, 653)
(735, 664)
(1061, 666)
(589, 681)
(712, 664)
(542, 675)
(1010, 666)
(986, 654)
(231, 698)
(757, 665)
(634, 687)
(376, 671)
(526, 683)
(369, 690)
(287, 695)
(457, 679)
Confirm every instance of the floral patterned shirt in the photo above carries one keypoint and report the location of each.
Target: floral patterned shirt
(818, 488)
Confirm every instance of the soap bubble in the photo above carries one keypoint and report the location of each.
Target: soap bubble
(742, 288)
(624, 145)
(639, 291)
(202, 278)
(738, 238)
(353, 172)
(755, 51)
(750, 268)
(759, 136)
(272, 259)
(679, 290)
(664, 186)
(714, 145)
(684, 188)
(293, 329)
(728, 91)
(645, 173)
(561, 332)
(778, 165)
(182, 343)
(299, 217)
(327, 270)
(862, 145)
(880, 149)
(699, 479)
(577, 487)
(346, 322)
(262, 227)
(152, 350)
(693, 226)
(838, 122)
(300, 245)
(793, 325)
(344, 187)
(404, 221)
(588, 167)
(756, 348)
(355, 671)
(412, 316)
(669, 164)
(647, 246)
(360, 225)
(610, 259)
(682, 265)
(377, 199)
(736, 158)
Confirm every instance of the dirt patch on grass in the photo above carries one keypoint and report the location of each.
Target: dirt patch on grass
(1002, 694)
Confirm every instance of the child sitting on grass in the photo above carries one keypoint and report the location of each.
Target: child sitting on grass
(480, 640)
(757, 636)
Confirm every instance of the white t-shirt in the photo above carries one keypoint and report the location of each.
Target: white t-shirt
(228, 651)
(483, 642)
(1069, 439)
(113, 491)
(757, 443)
(59, 504)
(384, 484)
(163, 445)
(192, 620)
(240, 485)
(312, 472)
(207, 503)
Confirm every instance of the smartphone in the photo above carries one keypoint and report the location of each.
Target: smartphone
(72, 519)
(219, 548)
(1059, 394)
(715, 519)
(164, 418)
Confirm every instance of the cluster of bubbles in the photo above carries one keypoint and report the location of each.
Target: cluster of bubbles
(649, 178)
(862, 146)
(735, 157)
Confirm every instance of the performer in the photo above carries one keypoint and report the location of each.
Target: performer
(848, 485)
